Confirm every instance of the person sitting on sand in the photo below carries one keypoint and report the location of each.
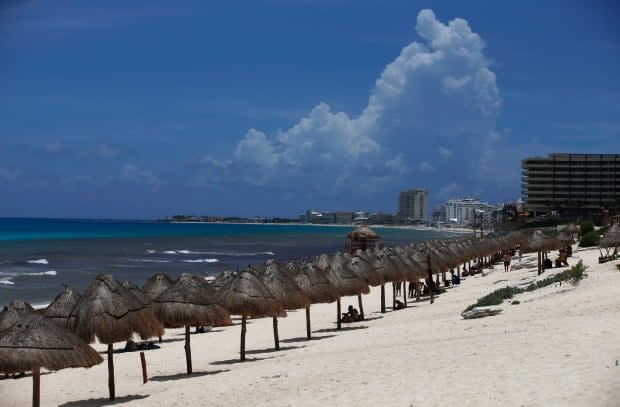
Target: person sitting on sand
(561, 260)
(399, 305)
(353, 313)
(547, 264)
(346, 318)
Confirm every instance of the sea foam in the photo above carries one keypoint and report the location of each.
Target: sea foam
(39, 261)
(202, 261)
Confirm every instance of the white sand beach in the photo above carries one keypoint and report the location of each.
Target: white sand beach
(559, 347)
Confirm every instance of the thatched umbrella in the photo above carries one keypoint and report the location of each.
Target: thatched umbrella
(59, 310)
(222, 279)
(156, 284)
(363, 233)
(187, 302)
(385, 267)
(13, 312)
(138, 292)
(36, 342)
(346, 282)
(365, 270)
(276, 278)
(247, 296)
(538, 242)
(110, 312)
(314, 285)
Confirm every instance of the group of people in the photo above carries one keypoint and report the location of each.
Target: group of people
(352, 315)
(560, 261)
(410, 292)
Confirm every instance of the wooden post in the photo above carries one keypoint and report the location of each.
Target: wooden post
(539, 261)
(417, 291)
(188, 351)
(383, 298)
(36, 387)
(458, 271)
(393, 296)
(308, 331)
(404, 291)
(430, 278)
(339, 322)
(243, 329)
(361, 305)
(276, 338)
(145, 377)
(111, 371)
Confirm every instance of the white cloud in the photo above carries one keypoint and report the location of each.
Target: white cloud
(134, 174)
(53, 148)
(9, 175)
(435, 91)
(445, 153)
(425, 167)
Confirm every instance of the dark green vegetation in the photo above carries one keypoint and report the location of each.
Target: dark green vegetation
(574, 274)
(590, 239)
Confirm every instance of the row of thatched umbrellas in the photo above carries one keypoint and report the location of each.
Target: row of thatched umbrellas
(114, 312)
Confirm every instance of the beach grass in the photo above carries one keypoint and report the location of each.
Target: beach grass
(574, 275)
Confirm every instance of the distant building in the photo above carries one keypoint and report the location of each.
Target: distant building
(361, 217)
(439, 214)
(413, 205)
(571, 183)
(344, 218)
(462, 211)
(382, 219)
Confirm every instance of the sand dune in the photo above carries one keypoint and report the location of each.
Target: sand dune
(558, 347)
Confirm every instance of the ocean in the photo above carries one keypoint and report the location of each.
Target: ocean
(39, 256)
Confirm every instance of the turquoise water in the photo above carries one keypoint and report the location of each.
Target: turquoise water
(37, 256)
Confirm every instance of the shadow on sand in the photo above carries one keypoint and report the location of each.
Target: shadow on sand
(104, 401)
(237, 360)
(270, 350)
(305, 339)
(344, 328)
(179, 376)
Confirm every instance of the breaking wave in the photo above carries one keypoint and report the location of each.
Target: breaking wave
(38, 261)
(202, 261)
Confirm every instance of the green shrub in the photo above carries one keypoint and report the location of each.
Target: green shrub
(586, 227)
(590, 239)
(574, 274)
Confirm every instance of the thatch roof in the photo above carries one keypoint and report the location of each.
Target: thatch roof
(384, 265)
(276, 278)
(37, 342)
(313, 282)
(363, 233)
(137, 291)
(110, 312)
(59, 310)
(156, 285)
(13, 312)
(222, 279)
(611, 238)
(539, 241)
(189, 302)
(363, 268)
(346, 281)
(247, 295)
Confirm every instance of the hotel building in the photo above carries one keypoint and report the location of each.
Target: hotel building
(571, 183)
(413, 205)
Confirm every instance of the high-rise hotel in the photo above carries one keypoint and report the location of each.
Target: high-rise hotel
(413, 205)
(571, 183)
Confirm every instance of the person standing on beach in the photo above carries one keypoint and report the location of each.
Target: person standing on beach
(506, 262)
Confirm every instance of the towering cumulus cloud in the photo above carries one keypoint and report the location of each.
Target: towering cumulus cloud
(427, 109)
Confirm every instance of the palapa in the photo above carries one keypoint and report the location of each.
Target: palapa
(276, 278)
(187, 302)
(346, 281)
(363, 233)
(138, 292)
(13, 312)
(156, 284)
(222, 279)
(110, 312)
(60, 309)
(247, 296)
(37, 342)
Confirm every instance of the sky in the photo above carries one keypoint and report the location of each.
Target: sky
(145, 109)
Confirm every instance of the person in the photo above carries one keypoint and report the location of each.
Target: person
(399, 305)
(397, 288)
(346, 318)
(353, 313)
(411, 289)
(506, 262)
(561, 260)
(569, 251)
(520, 254)
(547, 264)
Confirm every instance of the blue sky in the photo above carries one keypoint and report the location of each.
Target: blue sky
(147, 109)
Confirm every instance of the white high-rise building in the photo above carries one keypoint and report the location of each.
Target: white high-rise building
(413, 205)
(462, 210)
